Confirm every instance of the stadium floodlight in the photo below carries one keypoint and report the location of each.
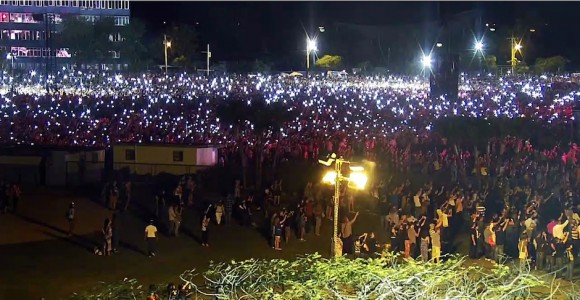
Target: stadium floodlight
(426, 61)
(518, 46)
(478, 46)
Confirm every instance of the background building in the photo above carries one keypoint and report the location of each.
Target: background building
(27, 28)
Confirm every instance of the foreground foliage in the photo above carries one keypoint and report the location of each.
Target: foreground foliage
(387, 277)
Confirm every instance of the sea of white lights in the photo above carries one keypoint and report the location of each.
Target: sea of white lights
(91, 110)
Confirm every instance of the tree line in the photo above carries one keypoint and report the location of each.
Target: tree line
(101, 42)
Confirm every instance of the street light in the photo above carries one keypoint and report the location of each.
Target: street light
(478, 46)
(426, 61)
(357, 179)
(310, 47)
(166, 45)
(515, 47)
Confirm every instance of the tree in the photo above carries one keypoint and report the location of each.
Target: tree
(386, 277)
(552, 64)
(77, 35)
(261, 66)
(183, 45)
(490, 62)
(133, 50)
(329, 62)
(88, 42)
(104, 31)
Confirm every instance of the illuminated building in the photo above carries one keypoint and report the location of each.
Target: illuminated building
(24, 26)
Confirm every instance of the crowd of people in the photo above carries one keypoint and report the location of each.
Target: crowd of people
(510, 198)
(182, 108)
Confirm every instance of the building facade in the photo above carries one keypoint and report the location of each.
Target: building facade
(27, 28)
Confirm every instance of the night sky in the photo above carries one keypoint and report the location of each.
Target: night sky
(279, 27)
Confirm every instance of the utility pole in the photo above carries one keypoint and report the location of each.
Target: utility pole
(208, 56)
(166, 45)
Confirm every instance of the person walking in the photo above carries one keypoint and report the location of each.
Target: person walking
(204, 231)
(151, 238)
(70, 216)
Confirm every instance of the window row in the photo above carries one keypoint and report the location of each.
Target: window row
(119, 20)
(102, 4)
(23, 35)
(26, 18)
(130, 155)
(39, 52)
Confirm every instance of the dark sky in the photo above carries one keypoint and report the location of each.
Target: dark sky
(280, 26)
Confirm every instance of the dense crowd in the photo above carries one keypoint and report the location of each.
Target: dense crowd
(511, 198)
(182, 108)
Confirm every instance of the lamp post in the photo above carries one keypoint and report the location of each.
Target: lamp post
(310, 47)
(478, 48)
(515, 47)
(166, 45)
(357, 177)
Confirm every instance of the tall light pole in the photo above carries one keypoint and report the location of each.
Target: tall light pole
(166, 45)
(478, 48)
(515, 47)
(357, 177)
(208, 56)
(310, 47)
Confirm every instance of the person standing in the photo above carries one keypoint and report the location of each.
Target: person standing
(500, 241)
(204, 231)
(424, 235)
(178, 209)
(228, 209)
(107, 232)
(16, 192)
(318, 213)
(473, 245)
(434, 234)
(346, 234)
(70, 216)
(151, 238)
(172, 216)
(523, 249)
(127, 195)
(219, 211)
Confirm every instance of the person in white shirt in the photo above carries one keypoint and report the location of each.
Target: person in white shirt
(151, 238)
